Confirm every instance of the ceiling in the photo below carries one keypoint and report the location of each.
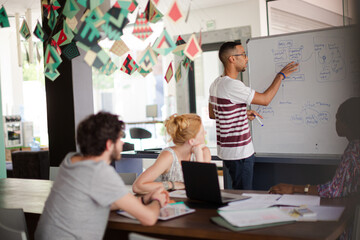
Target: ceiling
(20, 6)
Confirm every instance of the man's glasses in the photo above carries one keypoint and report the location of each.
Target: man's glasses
(240, 54)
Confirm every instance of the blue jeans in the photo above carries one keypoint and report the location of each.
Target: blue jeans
(241, 172)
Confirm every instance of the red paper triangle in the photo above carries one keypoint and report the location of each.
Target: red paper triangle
(62, 37)
(175, 13)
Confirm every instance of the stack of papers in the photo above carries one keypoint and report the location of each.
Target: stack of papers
(322, 213)
(261, 210)
(266, 200)
(255, 217)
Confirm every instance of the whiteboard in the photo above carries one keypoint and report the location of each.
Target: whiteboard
(301, 117)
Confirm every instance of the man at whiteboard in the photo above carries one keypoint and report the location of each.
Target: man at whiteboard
(228, 101)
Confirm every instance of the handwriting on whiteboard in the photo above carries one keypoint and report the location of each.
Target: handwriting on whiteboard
(312, 114)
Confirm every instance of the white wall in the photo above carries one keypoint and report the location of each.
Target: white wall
(331, 5)
(245, 13)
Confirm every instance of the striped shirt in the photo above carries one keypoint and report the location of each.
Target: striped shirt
(347, 176)
(229, 98)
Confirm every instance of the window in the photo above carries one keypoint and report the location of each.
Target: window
(207, 68)
(129, 95)
(23, 87)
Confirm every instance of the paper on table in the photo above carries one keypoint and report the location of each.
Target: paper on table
(255, 217)
(290, 210)
(256, 201)
(178, 194)
(297, 200)
(327, 213)
(323, 213)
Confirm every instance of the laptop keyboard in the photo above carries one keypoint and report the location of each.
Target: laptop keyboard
(229, 196)
(226, 198)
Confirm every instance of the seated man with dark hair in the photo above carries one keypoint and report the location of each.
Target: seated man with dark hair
(87, 187)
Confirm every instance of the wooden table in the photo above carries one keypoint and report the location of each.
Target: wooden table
(32, 194)
(28, 194)
(199, 226)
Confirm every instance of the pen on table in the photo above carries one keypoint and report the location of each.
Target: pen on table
(258, 119)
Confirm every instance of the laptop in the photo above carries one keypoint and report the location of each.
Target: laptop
(202, 183)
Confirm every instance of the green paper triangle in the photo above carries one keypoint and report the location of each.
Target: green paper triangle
(40, 33)
(164, 44)
(4, 20)
(52, 75)
(70, 9)
(24, 30)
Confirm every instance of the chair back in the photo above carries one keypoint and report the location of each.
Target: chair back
(356, 227)
(139, 133)
(128, 178)
(13, 223)
(136, 236)
(53, 173)
(11, 234)
(31, 164)
(128, 147)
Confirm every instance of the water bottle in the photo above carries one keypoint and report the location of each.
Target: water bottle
(35, 145)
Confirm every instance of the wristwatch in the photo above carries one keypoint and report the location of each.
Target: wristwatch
(172, 186)
(307, 188)
(166, 185)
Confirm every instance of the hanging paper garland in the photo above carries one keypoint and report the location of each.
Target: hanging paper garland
(70, 9)
(96, 57)
(119, 48)
(71, 51)
(192, 49)
(90, 4)
(40, 33)
(24, 30)
(52, 58)
(115, 21)
(152, 14)
(142, 29)
(148, 59)
(143, 72)
(108, 68)
(129, 66)
(4, 20)
(52, 75)
(178, 73)
(175, 13)
(164, 44)
(169, 73)
(129, 5)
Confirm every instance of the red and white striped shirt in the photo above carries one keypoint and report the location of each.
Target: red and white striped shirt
(229, 98)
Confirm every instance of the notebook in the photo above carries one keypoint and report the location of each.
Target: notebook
(202, 183)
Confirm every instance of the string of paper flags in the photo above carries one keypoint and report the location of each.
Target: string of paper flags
(94, 24)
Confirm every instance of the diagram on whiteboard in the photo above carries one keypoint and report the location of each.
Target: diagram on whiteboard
(265, 111)
(329, 59)
(312, 114)
(287, 52)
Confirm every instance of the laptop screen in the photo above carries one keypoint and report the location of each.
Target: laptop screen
(201, 181)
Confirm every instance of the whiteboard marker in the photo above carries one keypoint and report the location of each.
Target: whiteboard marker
(257, 118)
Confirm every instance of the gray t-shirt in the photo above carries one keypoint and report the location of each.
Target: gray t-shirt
(78, 206)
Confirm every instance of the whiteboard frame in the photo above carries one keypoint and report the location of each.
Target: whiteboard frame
(334, 157)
